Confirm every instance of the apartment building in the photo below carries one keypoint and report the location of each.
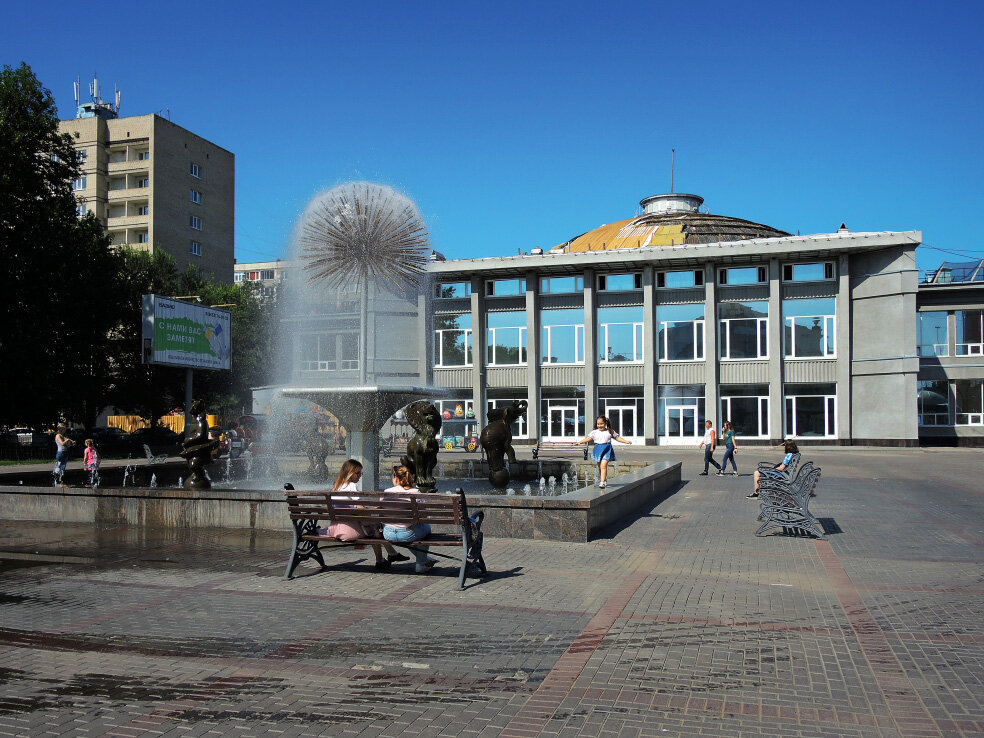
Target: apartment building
(155, 185)
(269, 276)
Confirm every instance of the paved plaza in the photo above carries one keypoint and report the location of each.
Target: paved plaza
(678, 622)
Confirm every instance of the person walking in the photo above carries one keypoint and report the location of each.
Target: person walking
(602, 435)
(709, 444)
(64, 443)
(730, 449)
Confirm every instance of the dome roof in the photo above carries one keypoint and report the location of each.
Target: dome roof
(668, 220)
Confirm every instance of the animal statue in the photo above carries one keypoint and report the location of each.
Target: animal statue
(421, 456)
(496, 439)
(197, 447)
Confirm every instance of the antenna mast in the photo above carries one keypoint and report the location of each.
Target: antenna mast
(672, 166)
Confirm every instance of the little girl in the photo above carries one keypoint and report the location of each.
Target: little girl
(90, 457)
(602, 435)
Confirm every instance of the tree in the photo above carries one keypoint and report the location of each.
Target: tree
(60, 276)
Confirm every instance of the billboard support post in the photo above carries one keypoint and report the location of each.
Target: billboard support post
(189, 391)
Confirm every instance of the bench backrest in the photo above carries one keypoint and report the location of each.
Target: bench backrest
(378, 507)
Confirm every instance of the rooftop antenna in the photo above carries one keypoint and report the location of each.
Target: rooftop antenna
(672, 166)
(77, 85)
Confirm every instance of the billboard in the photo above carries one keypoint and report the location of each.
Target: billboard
(177, 333)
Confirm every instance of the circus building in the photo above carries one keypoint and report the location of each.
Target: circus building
(678, 315)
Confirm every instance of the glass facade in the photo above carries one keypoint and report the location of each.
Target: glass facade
(932, 330)
(680, 332)
(747, 407)
(680, 413)
(970, 401)
(969, 332)
(620, 334)
(811, 410)
(506, 338)
(809, 328)
(744, 330)
(933, 397)
(625, 408)
(453, 340)
(562, 338)
(562, 413)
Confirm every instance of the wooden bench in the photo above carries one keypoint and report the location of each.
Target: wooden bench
(371, 510)
(560, 447)
(787, 504)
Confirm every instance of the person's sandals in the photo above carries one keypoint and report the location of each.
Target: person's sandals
(734, 474)
(719, 474)
(391, 558)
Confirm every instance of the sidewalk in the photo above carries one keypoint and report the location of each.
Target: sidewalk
(681, 622)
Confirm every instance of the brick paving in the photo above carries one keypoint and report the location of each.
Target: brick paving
(677, 622)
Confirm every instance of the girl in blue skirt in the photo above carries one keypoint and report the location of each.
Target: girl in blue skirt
(602, 453)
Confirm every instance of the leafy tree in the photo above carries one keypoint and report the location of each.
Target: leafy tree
(60, 277)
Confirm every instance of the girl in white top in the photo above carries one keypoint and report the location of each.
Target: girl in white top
(603, 452)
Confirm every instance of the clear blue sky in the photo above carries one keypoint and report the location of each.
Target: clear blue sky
(521, 124)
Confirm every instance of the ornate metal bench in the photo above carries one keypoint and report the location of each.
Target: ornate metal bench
(560, 447)
(768, 468)
(370, 510)
(787, 504)
(153, 458)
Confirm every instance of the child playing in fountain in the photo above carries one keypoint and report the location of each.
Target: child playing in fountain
(602, 435)
(90, 456)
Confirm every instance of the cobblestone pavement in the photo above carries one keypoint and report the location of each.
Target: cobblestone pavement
(678, 622)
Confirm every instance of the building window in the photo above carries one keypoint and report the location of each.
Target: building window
(143, 182)
(809, 328)
(619, 282)
(562, 336)
(625, 408)
(680, 332)
(195, 222)
(453, 340)
(195, 196)
(329, 352)
(743, 275)
(505, 287)
(195, 249)
(266, 274)
(79, 184)
(562, 413)
(970, 401)
(143, 210)
(238, 276)
(680, 413)
(933, 334)
(812, 272)
(744, 328)
(620, 334)
(561, 285)
(83, 156)
(933, 399)
(519, 427)
(506, 338)
(143, 155)
(196, 171)
(811, 410)
(80, 211)
(448, 290)
(746, 407)
(680, 280)
(459, 426)
(970, 332)
(143, 237)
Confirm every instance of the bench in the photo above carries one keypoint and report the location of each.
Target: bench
(560, 447)
(371, 510)
(787, 504)
(768, 469)
(154, 458)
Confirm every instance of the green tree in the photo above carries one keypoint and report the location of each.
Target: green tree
(60, 279)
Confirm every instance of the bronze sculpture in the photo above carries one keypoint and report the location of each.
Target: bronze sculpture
(496, 439)
(197, 448)
(421, 457)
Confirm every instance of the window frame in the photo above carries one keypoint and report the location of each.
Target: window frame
(195, 170)
(762, 274)
(467, 338)
(195, 196)
(198, 252)
(195, 223)
(601, 282)
(788, 271)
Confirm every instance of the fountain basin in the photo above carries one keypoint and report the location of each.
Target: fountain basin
(577, 516)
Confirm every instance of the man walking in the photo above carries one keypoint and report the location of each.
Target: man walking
(709, 444)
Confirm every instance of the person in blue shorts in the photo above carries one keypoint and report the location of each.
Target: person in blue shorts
(791, 449)
(603, 435)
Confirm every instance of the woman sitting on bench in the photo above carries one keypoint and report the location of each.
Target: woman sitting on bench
(404, 482)
(347, 481)
(789, 445)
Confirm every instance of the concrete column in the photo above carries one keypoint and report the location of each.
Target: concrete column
(425, 341)
(712, 363)
(650, 365)
(478, 350)
(533, 354)
(951, 350)
(590, 350)
(777, 378)
(842, 345)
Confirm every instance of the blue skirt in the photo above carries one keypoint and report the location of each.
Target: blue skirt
(603, 452)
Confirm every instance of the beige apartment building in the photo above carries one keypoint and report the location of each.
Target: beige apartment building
(155, 185)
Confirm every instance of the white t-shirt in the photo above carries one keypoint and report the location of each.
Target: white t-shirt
(709, 437)
(347, 487)
(601, 436)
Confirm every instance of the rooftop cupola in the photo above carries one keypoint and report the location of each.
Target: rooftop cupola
(674, 202)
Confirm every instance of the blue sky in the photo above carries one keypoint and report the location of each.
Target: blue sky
(515, 125)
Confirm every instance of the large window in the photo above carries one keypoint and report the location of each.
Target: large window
(505, 287)
(933, 399)
(970, 401)
(625, 408)
(554, 285)
(563, 336)
(329, 352)
(747, 407)
(680, 332)
(79, 184)
(453, 340)
(933, 339)
(680, 413)
(446, 290)
(620, 334)
(811, 410)
(970, 332)
(504, 398)
(619, 282)
(743, 275)
(562, 413)
(811, 272)
(744, 328)
(506, 338)
(680, 280)
(809, 328)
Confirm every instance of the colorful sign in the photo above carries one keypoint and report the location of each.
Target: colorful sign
(177, 333)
